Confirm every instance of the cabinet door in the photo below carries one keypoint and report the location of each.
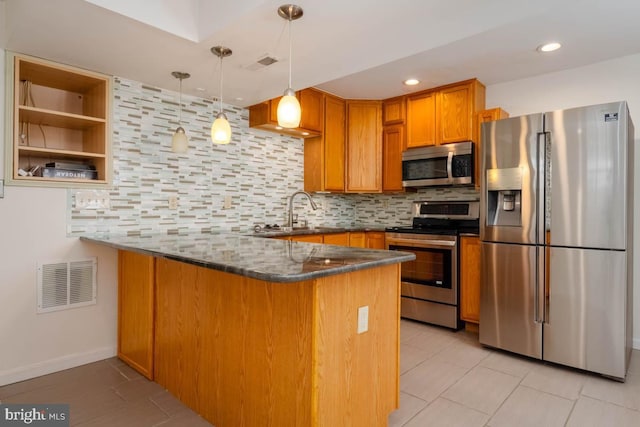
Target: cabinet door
(392, 148)
(470, 279)
(136, 298)
(456, 123)
(393, 111)
(364, 147)
(357, 239)
(341, 239)
(375, 239)
(334, 135)
(311, 104)
(421, 120)
(484, 116)
(309, 238)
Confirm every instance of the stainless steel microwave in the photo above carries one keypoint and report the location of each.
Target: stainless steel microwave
(450, 164)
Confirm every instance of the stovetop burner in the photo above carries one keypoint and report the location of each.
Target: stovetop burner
(444, 218)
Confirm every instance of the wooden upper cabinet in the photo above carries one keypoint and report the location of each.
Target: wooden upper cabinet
(393, 111)
(445, 115)
(392, 147)
(312, 104)
(265, 115)
(459, 106)
(455, 115)
(324, 156)
(484, 116)
(59, 124)
(470, 279)
(364, 147)
(421, 119)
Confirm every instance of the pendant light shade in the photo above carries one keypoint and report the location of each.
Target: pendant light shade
(180, 141)
(289, 111)
(220, 128)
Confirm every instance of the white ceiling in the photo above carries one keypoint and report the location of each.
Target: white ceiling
(353, 48)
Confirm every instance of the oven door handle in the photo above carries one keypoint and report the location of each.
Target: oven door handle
(447, 244)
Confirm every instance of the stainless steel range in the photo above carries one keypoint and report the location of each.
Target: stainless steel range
(430, 282)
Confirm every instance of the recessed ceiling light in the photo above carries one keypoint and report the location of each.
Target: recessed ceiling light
(239, 98)
(411, 82)
(200, 89)
(549, 47)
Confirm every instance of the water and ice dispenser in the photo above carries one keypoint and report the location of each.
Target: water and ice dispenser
(504, 191)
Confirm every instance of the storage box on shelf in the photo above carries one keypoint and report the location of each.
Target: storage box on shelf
(264, 115)
(60, 129)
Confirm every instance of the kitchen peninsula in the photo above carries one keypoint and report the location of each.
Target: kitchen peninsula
(251, 331)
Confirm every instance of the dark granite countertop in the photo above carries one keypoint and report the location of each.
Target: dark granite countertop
(271, 260)
(316, 230)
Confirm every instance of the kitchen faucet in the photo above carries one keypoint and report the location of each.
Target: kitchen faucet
(313, 205)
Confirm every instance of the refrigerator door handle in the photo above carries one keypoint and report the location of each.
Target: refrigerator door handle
(541, 290)
(450, 166)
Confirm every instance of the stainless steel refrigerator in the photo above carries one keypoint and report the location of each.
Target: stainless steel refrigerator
(556, 225)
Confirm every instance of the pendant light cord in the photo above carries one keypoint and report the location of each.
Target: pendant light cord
(180, 106)
(290, 50)
(221, 83)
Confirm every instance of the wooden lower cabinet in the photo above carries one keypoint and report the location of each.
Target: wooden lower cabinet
(136, 298)
(245, 352)
(357, 239)
(470, 275)
(309, 238)
(375, 239)
(341, 239)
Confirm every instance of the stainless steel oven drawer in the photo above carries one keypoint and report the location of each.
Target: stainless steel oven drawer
(431, 293)
(429, 312)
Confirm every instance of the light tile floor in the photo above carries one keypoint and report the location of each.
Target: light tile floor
(447, 379)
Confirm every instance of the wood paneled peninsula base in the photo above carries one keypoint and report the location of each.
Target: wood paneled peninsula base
(263, 332)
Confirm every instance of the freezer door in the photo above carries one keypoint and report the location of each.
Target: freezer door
(588, 176)
(509, 179)
(586, 310)
(507, 299)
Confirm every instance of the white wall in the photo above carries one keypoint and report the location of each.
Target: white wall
(32, 230)
(615, 80)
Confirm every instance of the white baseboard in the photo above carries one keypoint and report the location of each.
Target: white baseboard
(54, 365)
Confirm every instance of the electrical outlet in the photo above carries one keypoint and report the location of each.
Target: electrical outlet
(173, 202)
(385, 204)
(363, 319)
(97, 199)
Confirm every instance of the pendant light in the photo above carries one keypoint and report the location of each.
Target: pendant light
(289, 108)
(180, 142)
(220, 128)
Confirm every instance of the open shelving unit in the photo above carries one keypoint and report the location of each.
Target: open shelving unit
(59, 114)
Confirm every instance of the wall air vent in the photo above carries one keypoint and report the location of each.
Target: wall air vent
(264, 61)
(66, 284)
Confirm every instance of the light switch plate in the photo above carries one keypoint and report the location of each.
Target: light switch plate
(1, 188)
(363, 319)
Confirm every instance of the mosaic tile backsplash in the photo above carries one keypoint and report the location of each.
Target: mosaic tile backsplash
(217, 187)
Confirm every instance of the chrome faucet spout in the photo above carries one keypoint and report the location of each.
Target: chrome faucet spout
(308, 196)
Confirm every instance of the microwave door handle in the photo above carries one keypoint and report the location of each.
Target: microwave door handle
(450, 166)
